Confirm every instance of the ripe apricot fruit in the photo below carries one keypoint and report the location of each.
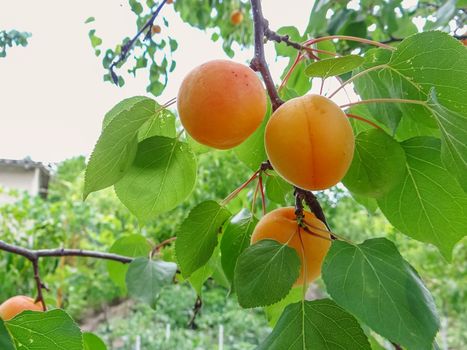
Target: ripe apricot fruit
(156, 29)
(168, 2)
(15, 305)
(281, 225)
(310, 142)
(236, 17)
(221, 103)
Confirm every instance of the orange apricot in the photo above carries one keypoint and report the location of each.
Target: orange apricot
(15, 305)
(221, 103)
(156, 29)
(309, 142)
(236, 17)
(281, 225)
(168, 2)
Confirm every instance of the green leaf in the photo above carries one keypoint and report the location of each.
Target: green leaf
(131, 246)
(334, 66)
(370, 204)
(453, 127)
(274, 311)
(236, 239)
(252, 152)
(265, 273)
(145, 278)
(201, 275)
(93, 342)
(163, 124)
(197, 236)
(428, 204)
(51, 330)
(6, 343)
(115, 149)
(420, 63)
(370, 85)
(373, 282)
(318, 324)
(377, 166)
(278, 190)
(162, 175)
(89, 20)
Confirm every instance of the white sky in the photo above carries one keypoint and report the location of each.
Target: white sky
(52, 96)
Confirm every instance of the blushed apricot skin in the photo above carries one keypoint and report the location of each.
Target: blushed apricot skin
(15, 305)
(236, 17)
(281, 225)
(309, 142)
(221, 103)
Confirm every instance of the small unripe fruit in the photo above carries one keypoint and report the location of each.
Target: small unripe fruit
(281, 225)
(15, 305)
(156, 29)
(309, 142)
(236, 17)
(221, 103)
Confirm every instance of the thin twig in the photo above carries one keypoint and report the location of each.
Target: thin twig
(158, 247)
(39, 284)
(354, 116)
(126, 48)
(196, 309)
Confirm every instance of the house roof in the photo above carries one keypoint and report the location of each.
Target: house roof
(25, 163)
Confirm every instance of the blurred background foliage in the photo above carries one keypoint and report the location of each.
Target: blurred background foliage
(379, 20)
(83, 287)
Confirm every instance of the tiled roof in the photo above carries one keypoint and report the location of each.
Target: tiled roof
(25, 164)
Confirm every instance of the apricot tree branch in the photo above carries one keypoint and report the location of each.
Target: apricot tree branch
(126, 48)
(258, 63)
(39, 284)
(32, 255)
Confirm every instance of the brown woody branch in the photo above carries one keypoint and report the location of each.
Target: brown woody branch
(126, 48)
(258, 63)
(34, 255)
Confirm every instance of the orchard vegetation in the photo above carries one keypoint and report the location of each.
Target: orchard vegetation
(342, 223)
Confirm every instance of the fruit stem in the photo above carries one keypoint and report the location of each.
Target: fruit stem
(159, 246)
(289, 73)
(238, 189)
(308, 225)
(363, 120)
(263, 199)
(302, 247)
(350, 38)
(356, 76)
(384, 100)
(255, 195)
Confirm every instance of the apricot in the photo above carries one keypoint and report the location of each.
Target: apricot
(156, 29)
(15, 305)
(221, 103)
(309, 142)
(236, 17)
(281, 225)
(168, 2)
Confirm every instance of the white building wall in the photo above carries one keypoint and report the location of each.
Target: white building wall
(20, 179)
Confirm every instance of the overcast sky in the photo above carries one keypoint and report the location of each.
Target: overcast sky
(52, 96)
